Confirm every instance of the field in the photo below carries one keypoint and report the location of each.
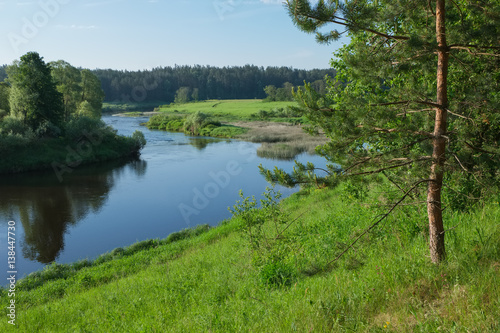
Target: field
(280, 276)
(235, 109)
(273, 124)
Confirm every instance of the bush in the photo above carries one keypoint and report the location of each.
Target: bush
(166, 122)
(194, 122)
(266, 231)
(48, 129)
(12, 142)
(140, 140)
(78, 126)
(12, 125)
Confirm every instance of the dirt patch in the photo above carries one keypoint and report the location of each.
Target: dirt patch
(271, 132)
(280, 140)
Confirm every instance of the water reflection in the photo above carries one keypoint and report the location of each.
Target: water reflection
(47, 207)
(202, 143)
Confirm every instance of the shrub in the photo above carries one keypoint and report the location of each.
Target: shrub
(266, 231)
(12, 125)
(194, 122)
(78, 126)
(166, 122)
(140, 140)
(48, 129)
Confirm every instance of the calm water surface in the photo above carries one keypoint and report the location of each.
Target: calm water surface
(178, 182)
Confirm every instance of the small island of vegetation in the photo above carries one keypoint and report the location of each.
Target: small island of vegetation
(50, 117)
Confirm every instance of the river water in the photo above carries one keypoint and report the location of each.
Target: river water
(178, 182)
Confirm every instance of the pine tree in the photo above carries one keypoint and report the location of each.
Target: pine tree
(415, 97)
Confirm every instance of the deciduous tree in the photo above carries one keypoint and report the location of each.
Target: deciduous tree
(34, 97)
(68, 79)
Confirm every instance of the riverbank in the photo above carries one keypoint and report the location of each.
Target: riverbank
(219, 279)
(276, 125)
(279, 140)
(84, 143)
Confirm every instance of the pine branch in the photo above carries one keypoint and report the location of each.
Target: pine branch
(469, 47)
(408, 102)
(480, 149)
(424, 158)
(300, 16)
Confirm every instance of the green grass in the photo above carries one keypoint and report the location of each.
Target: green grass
(129, 106)
(237, 109)
(176, 123)
(212, 280)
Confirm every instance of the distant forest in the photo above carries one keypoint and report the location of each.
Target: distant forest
(204, 82)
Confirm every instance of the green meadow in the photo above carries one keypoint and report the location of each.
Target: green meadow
(242, 119)
(229, 109)
(274, 270)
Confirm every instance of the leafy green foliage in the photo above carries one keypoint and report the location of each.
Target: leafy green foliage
(265, 228)
(33, 96)
(80, 88)
(4, 99)
(53, 109)
(198, 123)
(140, 140)
(194, 122)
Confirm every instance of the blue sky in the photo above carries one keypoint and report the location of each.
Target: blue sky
(142, 34)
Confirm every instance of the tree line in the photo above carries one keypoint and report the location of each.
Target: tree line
(165, 84)
(192, 83)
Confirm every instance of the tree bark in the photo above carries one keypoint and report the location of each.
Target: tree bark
(434, 210)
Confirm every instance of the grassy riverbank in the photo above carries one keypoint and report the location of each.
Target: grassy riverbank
(85, 141)
(236, 109)
(274, 124)
(279, 277)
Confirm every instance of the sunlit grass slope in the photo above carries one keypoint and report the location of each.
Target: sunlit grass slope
(213, 280)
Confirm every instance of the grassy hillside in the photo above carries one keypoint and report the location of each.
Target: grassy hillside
(271, 271)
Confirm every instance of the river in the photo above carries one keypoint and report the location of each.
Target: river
(178, 182)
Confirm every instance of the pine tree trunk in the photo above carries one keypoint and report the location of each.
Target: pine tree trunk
(434, 210)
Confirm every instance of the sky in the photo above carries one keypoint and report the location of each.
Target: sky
(143, 34)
